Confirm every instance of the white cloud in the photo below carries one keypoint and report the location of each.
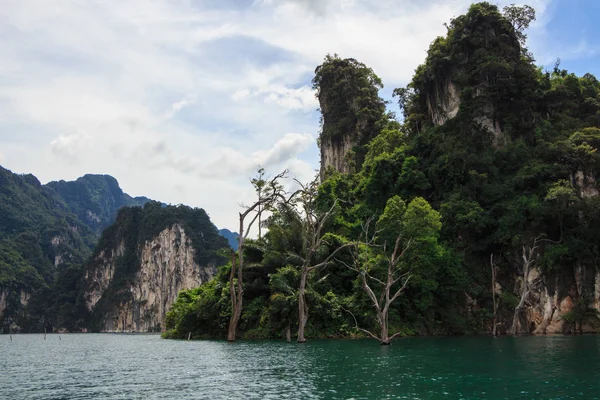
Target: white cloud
(178, 106)
(180, 101)
(70, 147)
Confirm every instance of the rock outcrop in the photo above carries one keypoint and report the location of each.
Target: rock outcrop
(336, 155)
(586, 184)
(351, 109)
(443, 102)
(166, 266)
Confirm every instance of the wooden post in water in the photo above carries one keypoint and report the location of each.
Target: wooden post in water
(10, 337)
(189, 336)
(59, 337)
(44, 333)
(494, 321)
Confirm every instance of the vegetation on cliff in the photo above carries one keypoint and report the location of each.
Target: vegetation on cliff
(502, 151)
(133, 228)
(48, 232)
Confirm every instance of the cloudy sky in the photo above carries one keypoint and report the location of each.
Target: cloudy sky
(181, 100)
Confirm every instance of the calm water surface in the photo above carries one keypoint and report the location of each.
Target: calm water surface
(107, 366)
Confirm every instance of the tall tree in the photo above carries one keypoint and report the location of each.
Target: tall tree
(415, 226)
(315, 243)
(268, 193)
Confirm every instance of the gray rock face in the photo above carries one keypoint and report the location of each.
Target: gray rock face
(556, 296)
(586, 183)
(336, 155)
(443, 104)
(166, 267)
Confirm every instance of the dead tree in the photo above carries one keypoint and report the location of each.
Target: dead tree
(396, 276)
(314, 239)
(268, 192)
(529, 256)
(495, 319)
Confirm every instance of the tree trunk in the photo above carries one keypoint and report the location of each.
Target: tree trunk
(494, 320)
(236, 293)
(527, 261)
(302, 306)
(385, 336)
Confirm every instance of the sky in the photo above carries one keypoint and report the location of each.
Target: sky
(182, 100)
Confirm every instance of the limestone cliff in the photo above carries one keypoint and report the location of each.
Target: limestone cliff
(348, 93)
(478, 74)
(552, 304)
(166, 266)
(337, 156)
(143, 261)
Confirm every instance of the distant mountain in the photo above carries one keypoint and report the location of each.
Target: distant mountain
(95, 199)
(47, 232)
(232, 237)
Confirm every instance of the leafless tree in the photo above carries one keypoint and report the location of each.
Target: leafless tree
(397, 277)
(268, 193)
(529, 256)
(314, 240)
(495, 319)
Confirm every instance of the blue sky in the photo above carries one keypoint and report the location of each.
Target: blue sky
(181, 100)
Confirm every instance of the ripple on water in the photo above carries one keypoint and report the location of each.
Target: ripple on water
(108, 366)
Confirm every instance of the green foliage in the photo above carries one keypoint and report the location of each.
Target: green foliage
(133, 228)
(518, 159)
(348, 92)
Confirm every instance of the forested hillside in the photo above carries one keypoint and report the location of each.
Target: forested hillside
(46, 233)
(476, 211)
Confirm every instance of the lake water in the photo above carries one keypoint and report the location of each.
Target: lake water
(113, 366)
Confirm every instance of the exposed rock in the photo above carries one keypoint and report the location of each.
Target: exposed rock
(586, 183)
(166, 267)
(24, 298)
(335, 155)
(98, 279)
(444, 102)
(556, 296)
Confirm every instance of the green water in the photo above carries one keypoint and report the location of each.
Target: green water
(91, 366)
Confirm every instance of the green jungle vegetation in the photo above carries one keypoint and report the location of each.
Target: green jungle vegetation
(44, 241)
(135, 226)
(430, 201)
(48, 241)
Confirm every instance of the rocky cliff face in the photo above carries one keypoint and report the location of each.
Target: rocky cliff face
(443, 102)
(336, 155)
(98, 279)
(166, 267)
(351, 109)
(552, 304)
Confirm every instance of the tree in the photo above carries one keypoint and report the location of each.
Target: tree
(520, 17)
(415, 227)
(529, 255)
(268, 193)
(494, 320)
(315, 243)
